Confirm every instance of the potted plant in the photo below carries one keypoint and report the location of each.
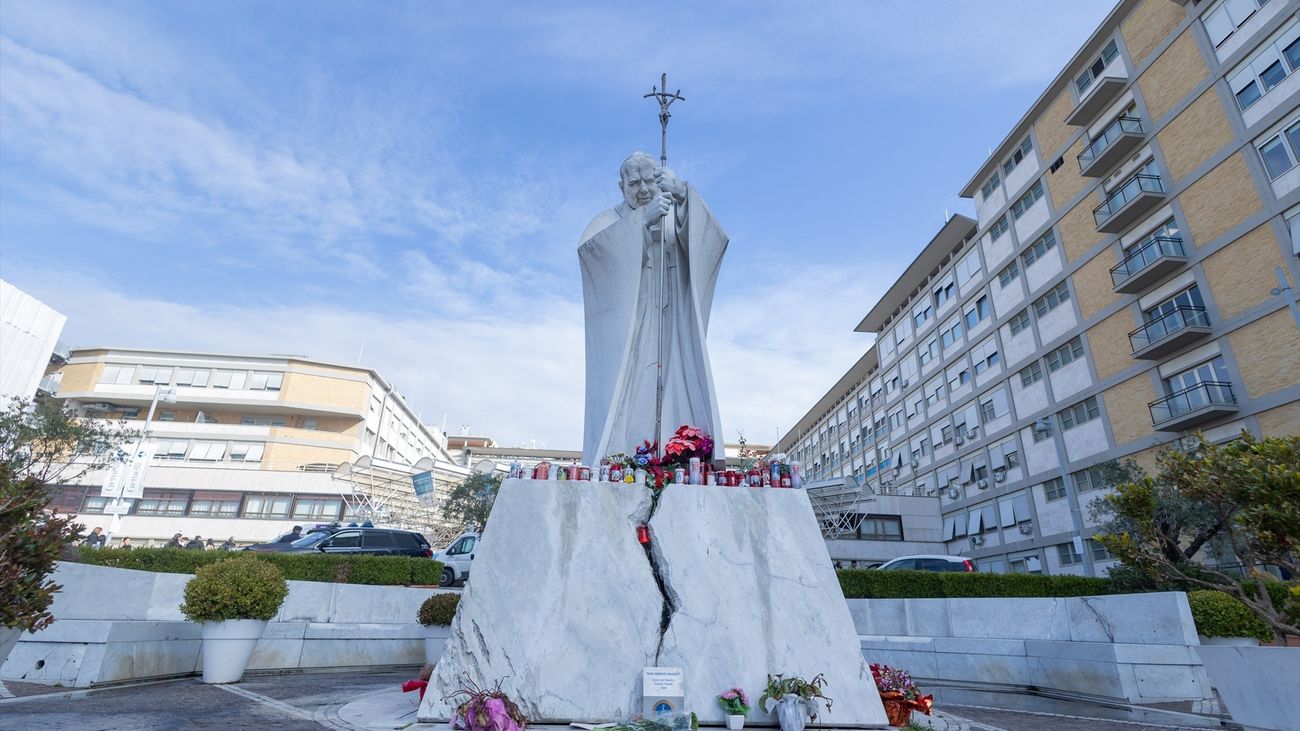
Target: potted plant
(899, 694)
(436, 614)
(1221, 619)
(796, 700)
(233, 600)
(735, 704)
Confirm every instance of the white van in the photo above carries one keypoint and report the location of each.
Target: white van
(456, 558)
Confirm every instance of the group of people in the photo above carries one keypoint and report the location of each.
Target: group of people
(97, 539)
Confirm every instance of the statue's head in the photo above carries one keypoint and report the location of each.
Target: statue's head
(636, 178)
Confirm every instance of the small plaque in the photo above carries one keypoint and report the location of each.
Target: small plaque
(662, 692)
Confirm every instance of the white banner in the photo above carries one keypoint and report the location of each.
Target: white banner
(117, 506)
(126, 479)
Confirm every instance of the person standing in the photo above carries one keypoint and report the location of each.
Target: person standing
(210, 545)
(196, 544)
(291, 536)
(175, 542)
(229, 545)
(96, 539)
(125, 545)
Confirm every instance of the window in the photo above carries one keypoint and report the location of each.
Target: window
(1054, 489)
(1080, 413)
(1017, 157)
(207, 451)
(1019, 321)
(1027, 200)
(1095, 69)
(1036, 250)
(1031, 374)
(946, 433)
(990, 185)
(1227, 17)
(1275, 61)
(999, 227)
(985, 355)
(262, 420)
(267, 506)
(215, 504)
(192, 377)
(1212, 371)
(934, 392)
(229, 379)
(317, 508)
(988, 412)
(896, 419)
(951, 335)
(1042, 435)
(1281, 151)
(929, 350)
(993, 406)
(158, 376)
(265, 381)
(978, 312)
(881, 528)
(352, 539)
(922, 316)
(1099, 552)
(943, 293)
(117, 374)
(170, 449)
(1052, 299)
(1065, 355)
(162, 502)
(246, 452)
(961, 378)
(968, 268)
(1008, 274)
(1066, 554)
(1088, 479)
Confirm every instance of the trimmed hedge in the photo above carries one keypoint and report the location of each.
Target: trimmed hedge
(1219, 614)
(873, 584)
(336, 568)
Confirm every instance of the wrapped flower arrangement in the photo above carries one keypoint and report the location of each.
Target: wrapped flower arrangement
(899, 694)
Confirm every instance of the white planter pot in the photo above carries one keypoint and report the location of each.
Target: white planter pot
(435, 639)
(735, 722)
(8, 638)
(1257, 684)
(1229, 641)
(227, 646)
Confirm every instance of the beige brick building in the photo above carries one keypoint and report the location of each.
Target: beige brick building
(1118, 287)
(248, 446)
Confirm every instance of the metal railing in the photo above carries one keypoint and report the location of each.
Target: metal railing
(1143, 256)
(1205, 393)
(1120, 126)
(1120, 197)
(1182, 316)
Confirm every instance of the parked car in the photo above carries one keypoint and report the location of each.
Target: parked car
(456, 558)
(364, 540)
(316, 534)
(930, 563)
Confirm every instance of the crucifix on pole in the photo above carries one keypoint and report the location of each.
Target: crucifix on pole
(662, 297)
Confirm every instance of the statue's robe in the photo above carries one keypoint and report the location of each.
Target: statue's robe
(620, 276)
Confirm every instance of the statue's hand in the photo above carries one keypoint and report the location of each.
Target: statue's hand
(671, 184)
(657, 208)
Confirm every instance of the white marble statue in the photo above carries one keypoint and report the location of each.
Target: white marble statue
(621, 287)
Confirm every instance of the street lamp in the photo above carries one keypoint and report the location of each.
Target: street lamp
(1043, 425)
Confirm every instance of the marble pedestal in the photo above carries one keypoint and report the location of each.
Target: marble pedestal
(564, 605)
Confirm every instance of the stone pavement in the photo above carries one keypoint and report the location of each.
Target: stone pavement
(350, 701)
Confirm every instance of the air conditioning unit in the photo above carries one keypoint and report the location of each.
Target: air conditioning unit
(977, 540)
(915, 464)
(982, 484)
(974, 432)
(905, 384)
(999, 475)
(954, 493)
(1026, 527)
(959, 441)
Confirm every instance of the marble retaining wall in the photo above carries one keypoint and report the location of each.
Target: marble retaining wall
(114, 624)
(1139, 648)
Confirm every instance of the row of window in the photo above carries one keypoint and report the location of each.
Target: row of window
(74, 499)
(1275, 60)
(234, 380)
(197, 450)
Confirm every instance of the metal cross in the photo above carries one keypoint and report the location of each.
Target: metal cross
(665, 100)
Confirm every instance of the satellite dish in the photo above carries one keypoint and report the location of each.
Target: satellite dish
(424, 465)
(362, 462)
(485, 466)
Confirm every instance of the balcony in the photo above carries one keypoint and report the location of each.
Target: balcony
(1128, 202)
(1191, 406)
(1169, 332)
(1115, 142)
(1148, 264)
(1103, 91)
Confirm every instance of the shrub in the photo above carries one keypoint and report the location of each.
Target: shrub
(238, 588)
(439, 609)
(1221, 615)
(336, 568)
(30, 541)
(873, 584)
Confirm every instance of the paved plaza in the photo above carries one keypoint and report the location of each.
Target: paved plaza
(371, 701)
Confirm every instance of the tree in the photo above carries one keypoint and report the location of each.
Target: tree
(41, 442)
(471, 501)
(1242, 498)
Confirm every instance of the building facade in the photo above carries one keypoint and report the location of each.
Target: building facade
(248, 446)
(1131, 276)
(29, 342)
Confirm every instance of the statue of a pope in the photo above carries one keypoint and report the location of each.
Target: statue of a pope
(621, 287)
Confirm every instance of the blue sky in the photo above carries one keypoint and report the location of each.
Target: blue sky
(405, 183)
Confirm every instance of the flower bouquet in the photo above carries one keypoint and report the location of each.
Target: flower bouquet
(688, 441)
(899, 694)
(735, 704)
(485, 709)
